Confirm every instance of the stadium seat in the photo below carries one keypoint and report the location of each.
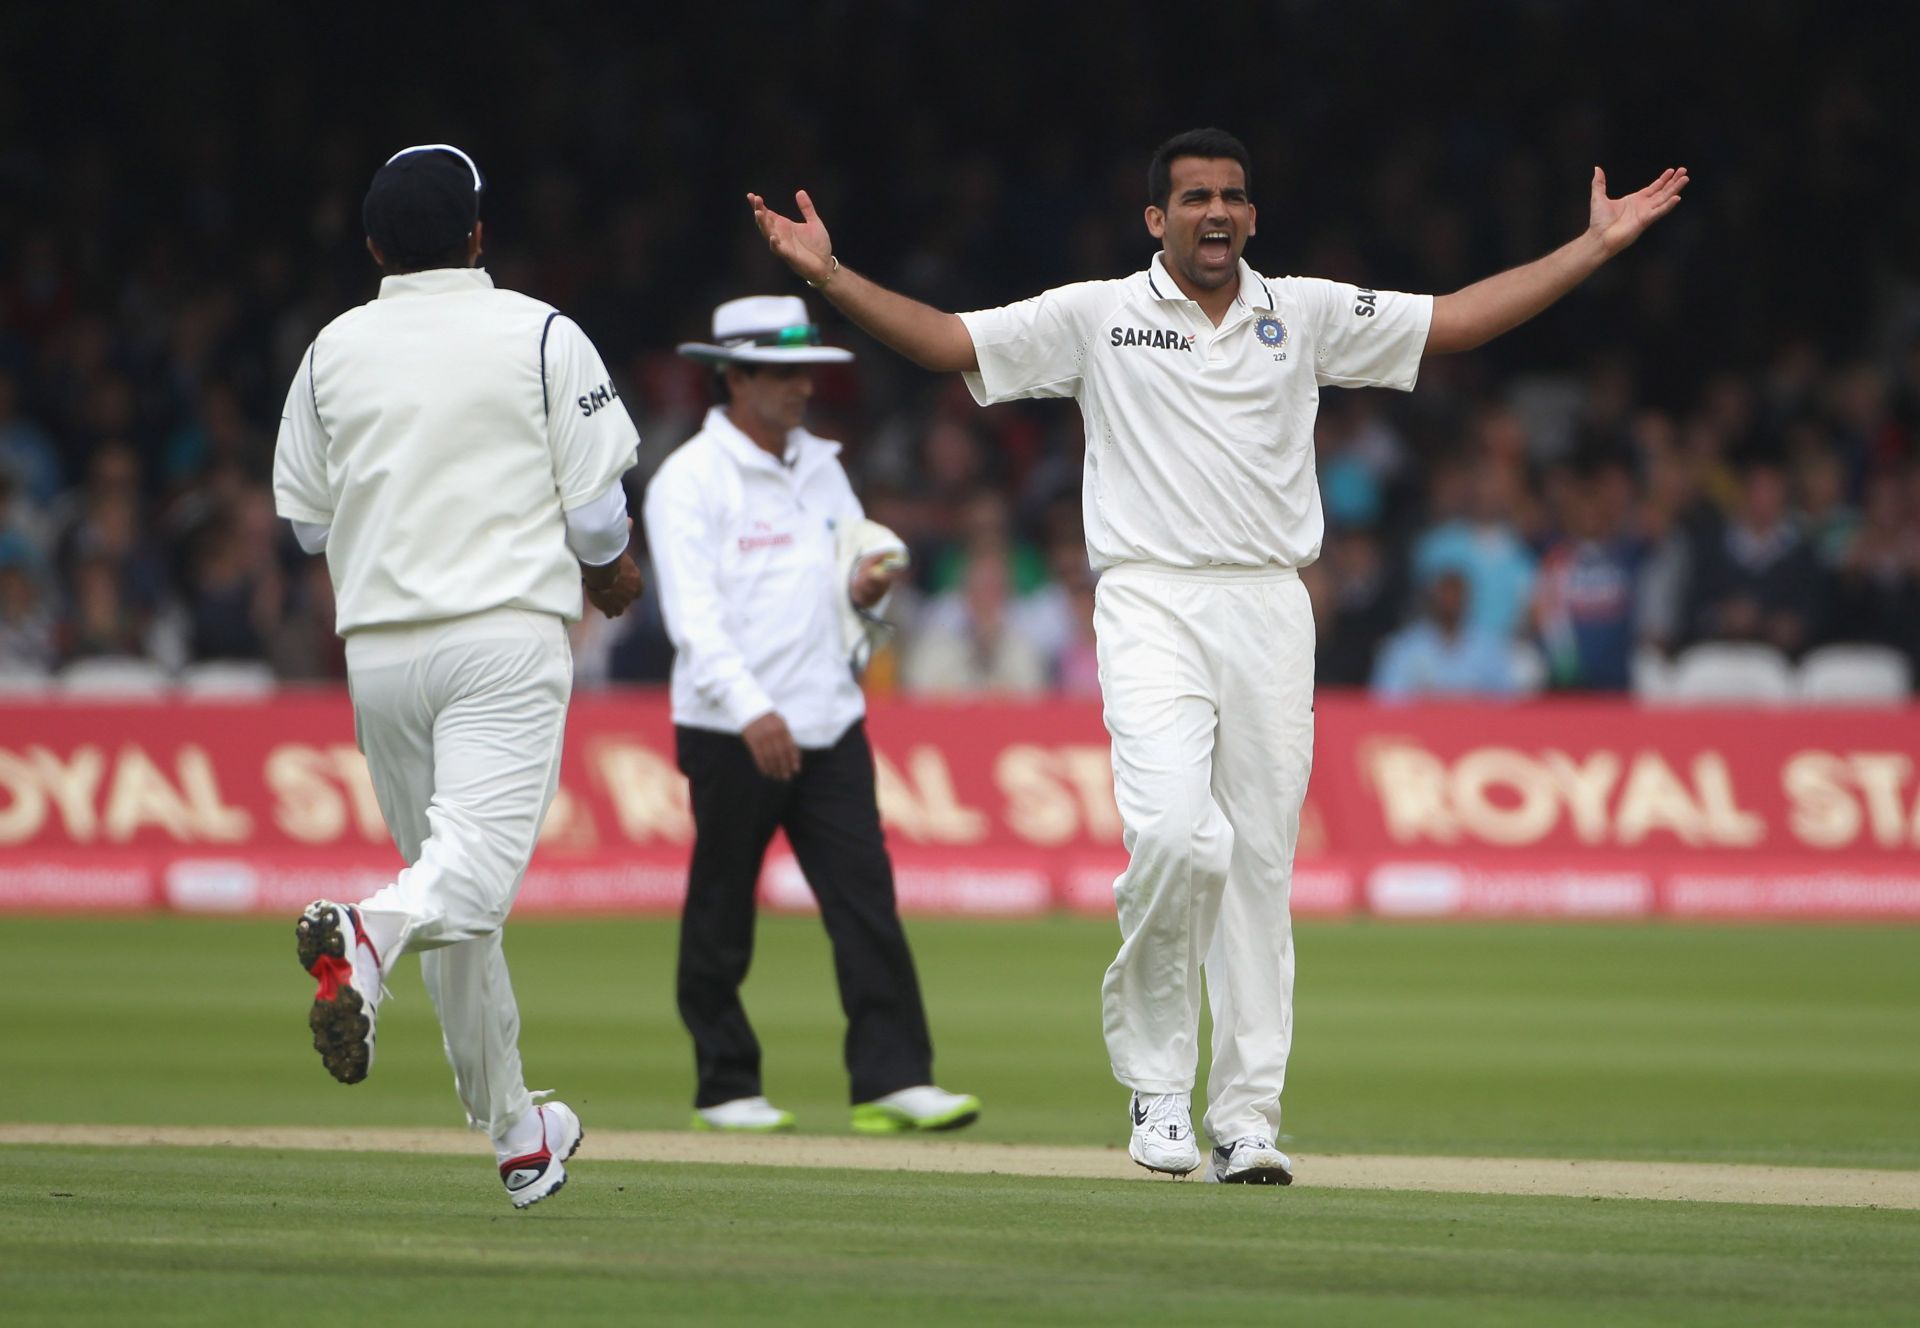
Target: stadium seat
(1856, 675)
(1652, 674)
(1529, 669)
(114, 677)
(1731, 673)
(217, 678)
(21, 684)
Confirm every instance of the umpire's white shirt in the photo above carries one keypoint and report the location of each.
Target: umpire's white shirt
(1199, 438)
(743, 553)
(441, 431)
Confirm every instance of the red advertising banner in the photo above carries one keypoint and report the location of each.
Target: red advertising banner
(1550, 809)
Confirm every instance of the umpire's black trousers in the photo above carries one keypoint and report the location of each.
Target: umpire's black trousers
(833, 823)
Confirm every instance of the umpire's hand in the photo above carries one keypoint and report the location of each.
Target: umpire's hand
(774, 751)
(874, 577)
(613, 587)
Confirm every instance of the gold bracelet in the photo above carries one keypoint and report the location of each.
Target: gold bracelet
(832, 272)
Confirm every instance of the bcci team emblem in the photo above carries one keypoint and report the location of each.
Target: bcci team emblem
(1272, 333)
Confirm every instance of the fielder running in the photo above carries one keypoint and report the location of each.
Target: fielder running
(1199, 379)
(456, 451)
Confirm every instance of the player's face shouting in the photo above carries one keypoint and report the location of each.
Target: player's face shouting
(1206, 222)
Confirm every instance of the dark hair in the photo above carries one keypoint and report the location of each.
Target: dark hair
(1214, 144)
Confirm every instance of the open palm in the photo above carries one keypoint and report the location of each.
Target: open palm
(803, 245)
(1619, 221)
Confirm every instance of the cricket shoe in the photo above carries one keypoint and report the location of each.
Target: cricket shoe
(922, 1107)
(1163, 1133)
(743, 1115)
(531, 1177)
(334, 949)
(1250, 1161)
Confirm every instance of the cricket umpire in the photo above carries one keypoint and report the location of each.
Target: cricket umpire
(457, 453)
(755, 536)
(1199, 379)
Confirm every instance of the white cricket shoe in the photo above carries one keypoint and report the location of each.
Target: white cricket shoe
(335, 951)
(532, 1176)
(1163, 1133)
(743, 1115)
(1250, 1161)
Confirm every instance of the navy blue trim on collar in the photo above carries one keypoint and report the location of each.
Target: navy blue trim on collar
(1155, 289)
(1269, 290)
(545, 407)
(313, 388)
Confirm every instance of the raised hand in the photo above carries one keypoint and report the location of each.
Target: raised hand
(803, 245)
(1619, 221)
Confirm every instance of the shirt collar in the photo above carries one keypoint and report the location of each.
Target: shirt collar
(1255, 291)
(436, 281)
(800, 444)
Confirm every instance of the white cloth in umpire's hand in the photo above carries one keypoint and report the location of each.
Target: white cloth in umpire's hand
(854, 543)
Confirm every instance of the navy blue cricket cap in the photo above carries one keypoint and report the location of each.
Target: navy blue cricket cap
(422, 203)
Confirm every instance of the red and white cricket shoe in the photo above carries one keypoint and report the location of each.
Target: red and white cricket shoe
(531, 1177)
(334, 949)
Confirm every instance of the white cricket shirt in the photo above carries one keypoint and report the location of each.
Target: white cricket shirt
(440, 431)
(745, 557)
(1199, 438)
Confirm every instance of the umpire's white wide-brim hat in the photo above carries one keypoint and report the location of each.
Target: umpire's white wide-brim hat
(764, 329)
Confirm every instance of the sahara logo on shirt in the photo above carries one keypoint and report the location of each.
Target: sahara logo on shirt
(603, 395)
(1363, 303)
(1157, 338)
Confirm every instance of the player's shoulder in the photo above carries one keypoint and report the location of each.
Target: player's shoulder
(344, 324)
(1335, 291)
(1299, 287)
(1314, 299)
(523, 304)
(1094, 305)
(523, 312)
(1112, 292)
(1082, 296)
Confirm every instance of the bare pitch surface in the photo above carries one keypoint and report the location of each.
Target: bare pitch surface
(1847, 1187)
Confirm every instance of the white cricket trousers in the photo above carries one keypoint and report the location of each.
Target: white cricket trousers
(461, 722)
(1207, 678)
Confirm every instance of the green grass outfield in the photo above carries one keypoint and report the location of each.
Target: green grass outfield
(1773, 1045)
(165, 1236)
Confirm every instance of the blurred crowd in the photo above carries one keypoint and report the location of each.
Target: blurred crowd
(1717, 440)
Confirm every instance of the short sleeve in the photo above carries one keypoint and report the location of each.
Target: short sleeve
(1367, 338)
(1035, 348)
(300, 491)
(593, 438)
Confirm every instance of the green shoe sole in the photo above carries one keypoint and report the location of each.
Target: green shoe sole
(780, 1126)
(872, 1118)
